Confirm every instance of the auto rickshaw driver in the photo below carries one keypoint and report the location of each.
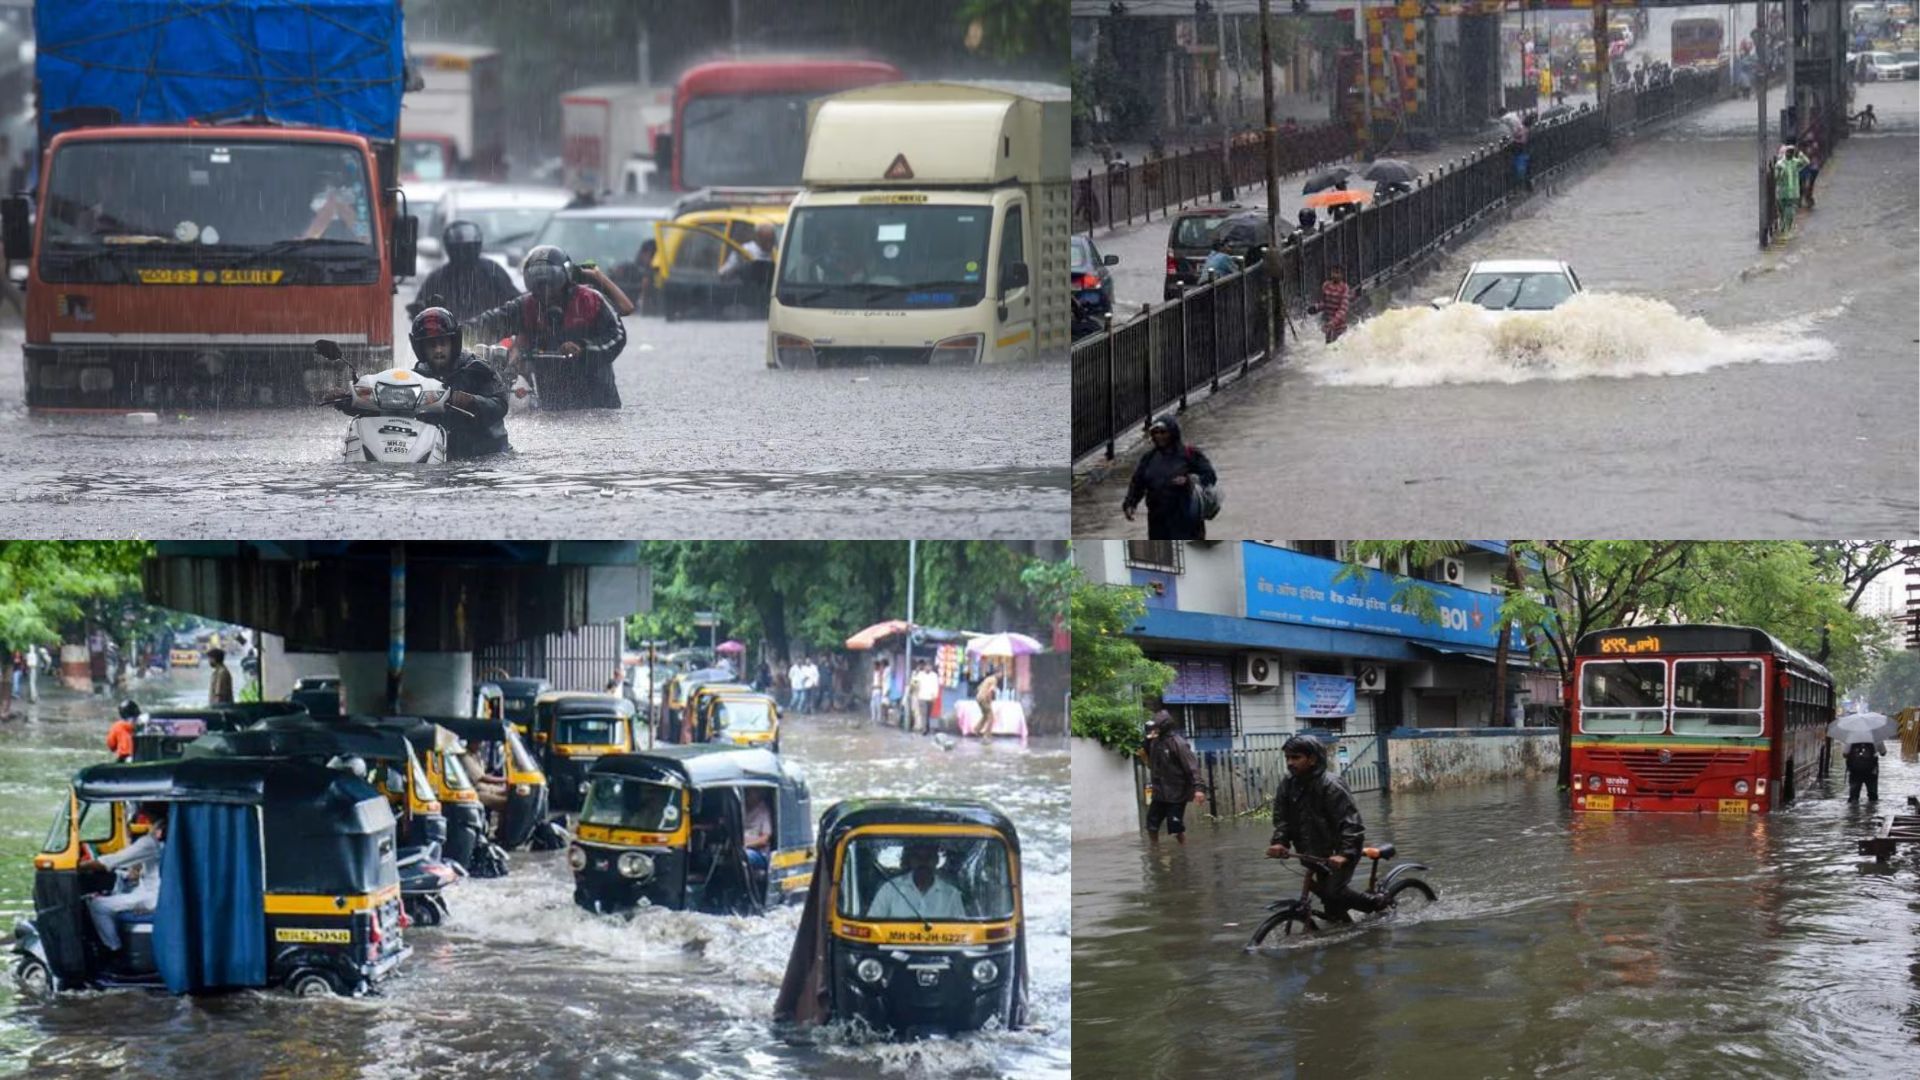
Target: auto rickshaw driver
(919, 891)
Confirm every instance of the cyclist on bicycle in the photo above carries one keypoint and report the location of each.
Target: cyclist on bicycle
(1314, 814)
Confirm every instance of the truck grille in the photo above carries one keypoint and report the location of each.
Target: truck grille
(1645, 766)
(855, 356)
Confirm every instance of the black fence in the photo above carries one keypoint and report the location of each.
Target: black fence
(1121, 195)
(1132, 370)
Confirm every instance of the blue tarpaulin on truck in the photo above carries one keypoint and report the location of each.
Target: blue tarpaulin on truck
(322, 63)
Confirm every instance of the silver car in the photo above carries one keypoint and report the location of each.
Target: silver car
(1508, 286)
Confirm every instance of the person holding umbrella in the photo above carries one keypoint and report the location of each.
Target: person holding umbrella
(1864, 735)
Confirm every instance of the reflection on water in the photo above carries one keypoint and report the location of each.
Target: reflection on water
(1631, 946)
(521, 982)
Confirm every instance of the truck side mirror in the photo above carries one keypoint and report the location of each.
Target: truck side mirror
(406, 246)
(16, 231)
(1015, 278)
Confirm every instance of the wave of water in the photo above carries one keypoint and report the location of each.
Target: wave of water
(1594, 335)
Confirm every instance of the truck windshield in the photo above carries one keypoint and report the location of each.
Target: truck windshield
(885, 256)
(115, 207)
(743, 140)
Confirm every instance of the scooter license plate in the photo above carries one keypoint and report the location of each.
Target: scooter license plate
(1733, 806)
(1599, 802)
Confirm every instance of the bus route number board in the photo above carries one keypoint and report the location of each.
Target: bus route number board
(1628, 645)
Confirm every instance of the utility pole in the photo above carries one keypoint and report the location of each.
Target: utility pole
(1603, 61)
(906, 669)
(1366, 72)
(1272, 145)
(1759, 76)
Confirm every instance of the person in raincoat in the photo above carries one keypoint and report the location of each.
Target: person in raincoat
(1164, 479)
(1314, 814)
(1219, 264)
(1863, 769)
(1786, 187)
(1175, 774)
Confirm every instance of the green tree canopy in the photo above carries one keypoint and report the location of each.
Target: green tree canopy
(1110, 673)
(47, 584)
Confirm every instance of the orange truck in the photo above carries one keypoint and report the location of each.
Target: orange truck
(215, 189)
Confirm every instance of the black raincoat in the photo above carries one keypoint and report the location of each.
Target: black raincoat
(1171, 514)
(1315, 814)
(1175, 771)
(468, 288)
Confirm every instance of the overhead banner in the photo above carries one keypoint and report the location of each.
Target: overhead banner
(1322, 695)
(1286, 586)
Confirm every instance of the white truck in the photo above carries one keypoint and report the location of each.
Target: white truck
(933, 228)
(455, 126)
(608, 135)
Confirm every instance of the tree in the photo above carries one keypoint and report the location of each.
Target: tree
(1895, 683)
(1110, 673)
(46, 585)
(1858, 562)
(1008, 30)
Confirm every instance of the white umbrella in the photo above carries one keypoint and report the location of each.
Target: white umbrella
(1862, 727)
(1004, 645)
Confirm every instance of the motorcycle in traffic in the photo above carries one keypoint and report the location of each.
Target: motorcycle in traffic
(392, 415)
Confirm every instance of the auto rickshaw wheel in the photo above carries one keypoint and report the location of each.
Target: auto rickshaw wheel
(310, 983)
(34, 978)
(424, 911)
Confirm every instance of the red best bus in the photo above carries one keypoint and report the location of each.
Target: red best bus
(1695, 718)
(743, 123)
(1695, 41)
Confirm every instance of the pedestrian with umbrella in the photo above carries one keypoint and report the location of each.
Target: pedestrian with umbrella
(1391, 176)
(1862, 734)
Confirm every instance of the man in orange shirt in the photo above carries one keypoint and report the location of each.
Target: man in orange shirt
(120, 735)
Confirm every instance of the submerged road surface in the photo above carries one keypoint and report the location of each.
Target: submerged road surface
(1706, 389)
(520, 982)
(710, 443)
(1639, 947)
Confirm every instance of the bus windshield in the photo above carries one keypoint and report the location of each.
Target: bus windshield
(116, 208)
(926, 879)
(1717, 697)
(743, 140)
(622, 802)
(1623, 697)
(886, 257)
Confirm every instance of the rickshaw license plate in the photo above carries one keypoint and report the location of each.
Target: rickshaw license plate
(1599, 802)
(1733, 806)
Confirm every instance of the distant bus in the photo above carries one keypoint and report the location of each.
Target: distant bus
(743, 123)
(1696, 41)
(1695, 719)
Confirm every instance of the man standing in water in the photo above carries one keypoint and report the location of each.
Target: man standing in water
(221, 692)
(1335, 297)
(1314, 814)
(1175, 776)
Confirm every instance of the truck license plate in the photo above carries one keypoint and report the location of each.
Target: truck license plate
(1599, 802)
(1733, 806)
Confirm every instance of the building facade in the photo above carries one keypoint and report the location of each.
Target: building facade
(1267, 641)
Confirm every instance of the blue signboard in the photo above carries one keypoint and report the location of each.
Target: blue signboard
(1322, 695)
(1198, 680)
(1286, 586)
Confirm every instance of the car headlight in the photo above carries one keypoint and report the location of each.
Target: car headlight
(790, 350)
(636, 864)
(1739, 787)
(868, 970)
(985, 971)
(577, 857)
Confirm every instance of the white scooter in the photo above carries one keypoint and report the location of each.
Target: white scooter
(391, 409)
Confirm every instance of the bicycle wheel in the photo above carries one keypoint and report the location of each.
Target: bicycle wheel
(1409, 894)
(1284, 924)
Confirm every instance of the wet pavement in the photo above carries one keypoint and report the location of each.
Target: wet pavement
(1721, 390)
(710, 443)
(1644, 946)
(521, 982)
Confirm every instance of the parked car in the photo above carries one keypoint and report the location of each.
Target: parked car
(1511, 286)
(1189, 241)
(1092, 281)
(610, 236)
(509, 216)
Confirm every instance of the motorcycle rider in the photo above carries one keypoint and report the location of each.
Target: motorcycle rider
(1314, 812)
(466, 284)
(558, 314)
(475, 416)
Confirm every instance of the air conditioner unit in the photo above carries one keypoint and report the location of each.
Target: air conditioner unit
(1449, 571)
(1369, 679)
(1257, 669)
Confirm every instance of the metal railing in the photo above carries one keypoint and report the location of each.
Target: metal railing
(1130, 371)
(1119, 196)
(1242, 779)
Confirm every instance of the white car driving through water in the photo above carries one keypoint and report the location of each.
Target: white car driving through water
(1510, 286)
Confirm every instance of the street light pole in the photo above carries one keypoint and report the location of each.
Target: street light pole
(1272, 144)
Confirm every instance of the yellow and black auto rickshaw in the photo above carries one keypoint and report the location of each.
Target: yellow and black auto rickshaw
(699, 703)
(738, 718)
(511, 787)
(517, 697)
(163, 734)
(572, 730)
(438, 751)
(677, 725)
(675, 829)
(913, 924)
(272, 873)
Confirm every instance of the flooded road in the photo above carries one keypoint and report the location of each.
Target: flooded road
(710, 443)
(1660, 410)
(1632, 946)
(521, 982)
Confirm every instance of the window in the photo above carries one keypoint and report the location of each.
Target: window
(1214, 721)
(96, 822)
(1013, 244)
(926, 878)
(699, 250)
(62, 826)
(589, 730)
(1718, 697)
(623, 802)
(1623, 697)
(1154, 554)
(1325, 549)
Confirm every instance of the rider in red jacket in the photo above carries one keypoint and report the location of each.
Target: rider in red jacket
(558, 315)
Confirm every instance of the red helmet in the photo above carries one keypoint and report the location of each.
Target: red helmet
(430, 326)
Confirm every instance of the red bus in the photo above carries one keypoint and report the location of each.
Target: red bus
(743, 123)
(1695, 718)
(1695, 41)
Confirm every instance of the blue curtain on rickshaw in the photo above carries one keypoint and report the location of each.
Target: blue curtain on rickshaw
(210, 926)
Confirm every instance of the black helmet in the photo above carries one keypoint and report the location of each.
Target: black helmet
(129, 710)
(547, 270)
(430, 326)
(462, 241)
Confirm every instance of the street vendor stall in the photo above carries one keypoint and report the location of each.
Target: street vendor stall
(959, 666)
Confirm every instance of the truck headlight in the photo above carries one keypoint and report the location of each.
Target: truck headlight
(964, 349)
(790, 350)
(1739, 787)
(985, 971)
(868, 970)
(577, 857)
(636, 864)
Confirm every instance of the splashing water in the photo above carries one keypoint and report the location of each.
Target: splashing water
(1593, 335)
